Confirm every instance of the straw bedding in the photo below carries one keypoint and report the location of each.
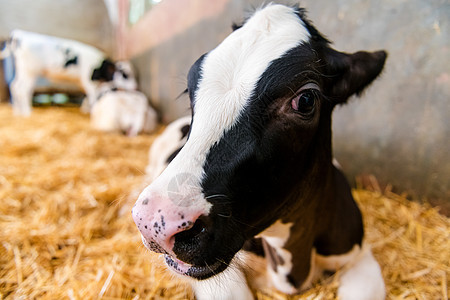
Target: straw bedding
(66, 230)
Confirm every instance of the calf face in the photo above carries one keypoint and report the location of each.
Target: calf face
(259, 148)
(119, 74)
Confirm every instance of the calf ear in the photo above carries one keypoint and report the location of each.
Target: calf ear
(352, 73)
(105, 72)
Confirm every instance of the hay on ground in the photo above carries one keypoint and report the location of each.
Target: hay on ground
(66, 230)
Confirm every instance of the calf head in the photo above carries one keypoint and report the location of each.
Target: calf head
(119, 74)
(124, 76)
(259, 148)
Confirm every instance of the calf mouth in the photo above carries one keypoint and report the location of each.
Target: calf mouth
(197, 272)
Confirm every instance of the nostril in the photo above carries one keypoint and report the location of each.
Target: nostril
(192, 233)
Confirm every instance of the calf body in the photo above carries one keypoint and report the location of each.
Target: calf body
(125, 111)
(59, 60)
(256, 172)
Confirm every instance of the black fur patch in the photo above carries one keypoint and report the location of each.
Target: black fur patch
(3, 44)
(72, 61)
(184, 131)
(172, 156)
(194, 75)
(105, 72)
(254, 246)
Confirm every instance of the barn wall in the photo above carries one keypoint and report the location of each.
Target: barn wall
(83, 20)
(400, 128)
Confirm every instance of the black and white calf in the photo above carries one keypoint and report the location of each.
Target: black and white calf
(58, 60)
(166, 146)
(256, 172)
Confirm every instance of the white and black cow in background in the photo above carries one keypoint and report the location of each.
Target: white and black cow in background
(256, 172)
(57, 59)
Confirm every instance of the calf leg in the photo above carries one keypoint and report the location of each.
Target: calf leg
(21, 94)
(91, 95)
(361, 277)
(340, 246)
(363, 280)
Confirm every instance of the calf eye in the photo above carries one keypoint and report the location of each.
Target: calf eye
(304, 103)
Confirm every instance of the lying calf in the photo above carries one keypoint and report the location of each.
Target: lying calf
(124, 111)
(256, 172)
(59, 60)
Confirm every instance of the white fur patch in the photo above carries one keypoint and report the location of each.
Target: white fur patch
(337, 164)
(363, 279)
(229, 75)
(228, 285)
(276, 236)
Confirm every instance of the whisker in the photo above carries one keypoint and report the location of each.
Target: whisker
(216, 196)
(212, 271)
(243, 223)
(222, 261)
(139, 170)
(225, 216)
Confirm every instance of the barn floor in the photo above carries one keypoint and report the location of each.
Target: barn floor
(66, 231)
